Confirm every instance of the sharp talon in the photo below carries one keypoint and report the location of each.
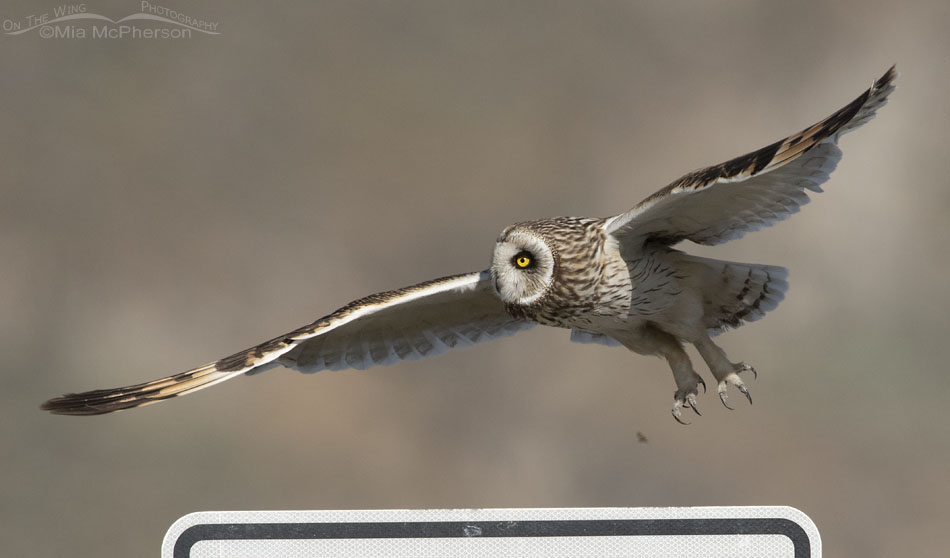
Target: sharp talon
(703, 383)
(743, 367)
(679, 403)
(692, 404)
(676, 415)
(745, 391)
(722, 397)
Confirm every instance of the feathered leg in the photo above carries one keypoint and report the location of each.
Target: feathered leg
(652, 341)
(723, 370)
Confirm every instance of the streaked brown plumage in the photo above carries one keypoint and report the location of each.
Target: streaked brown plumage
(614, 281)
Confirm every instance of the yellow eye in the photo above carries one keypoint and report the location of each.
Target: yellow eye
(523, 260)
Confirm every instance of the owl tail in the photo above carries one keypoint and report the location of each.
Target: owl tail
(735, 293)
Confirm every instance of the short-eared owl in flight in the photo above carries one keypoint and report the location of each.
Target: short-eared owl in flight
(614, 281)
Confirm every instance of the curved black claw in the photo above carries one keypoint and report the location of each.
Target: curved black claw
(743, 367)
(676, 415)
(734, 380)
(682, 401)
(745, 391)
(722, 397)
(692, 405)
(703, 383)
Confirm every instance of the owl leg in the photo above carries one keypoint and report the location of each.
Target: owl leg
(652, 341)
(723, 370)
(687, 380)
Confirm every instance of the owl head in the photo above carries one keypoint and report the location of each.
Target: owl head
(522, 266)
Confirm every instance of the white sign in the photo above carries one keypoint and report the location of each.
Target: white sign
(714, 532)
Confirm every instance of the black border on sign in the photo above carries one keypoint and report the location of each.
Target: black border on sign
(465, 529)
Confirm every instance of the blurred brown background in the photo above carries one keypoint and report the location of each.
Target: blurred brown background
(164, 203)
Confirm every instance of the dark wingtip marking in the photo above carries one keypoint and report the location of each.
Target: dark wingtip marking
(102, 401)
(756, 161)
(889, 76)
(87, 404)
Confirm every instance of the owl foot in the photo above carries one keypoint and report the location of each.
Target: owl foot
(684, 398)
(733, 378)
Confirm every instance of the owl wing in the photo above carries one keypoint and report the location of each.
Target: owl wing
(405, 324)
(725, 201)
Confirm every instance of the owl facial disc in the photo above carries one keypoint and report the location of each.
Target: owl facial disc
(522, 267)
